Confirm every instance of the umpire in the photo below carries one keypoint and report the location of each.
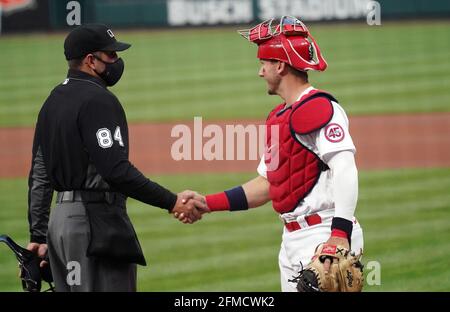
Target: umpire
(80, 150)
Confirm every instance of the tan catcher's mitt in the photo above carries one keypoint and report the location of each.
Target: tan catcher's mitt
(345, 273)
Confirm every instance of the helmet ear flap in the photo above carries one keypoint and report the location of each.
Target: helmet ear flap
(311, 52)
(303, 53)
(320, 61)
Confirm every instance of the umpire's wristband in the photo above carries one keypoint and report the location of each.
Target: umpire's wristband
(233, 200)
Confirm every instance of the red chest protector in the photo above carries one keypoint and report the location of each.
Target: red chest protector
(292, 169)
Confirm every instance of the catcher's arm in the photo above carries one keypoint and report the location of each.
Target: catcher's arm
(253, 193)
(345, 185)
(257, 191)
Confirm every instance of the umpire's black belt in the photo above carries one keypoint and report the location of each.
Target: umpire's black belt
(90, 197)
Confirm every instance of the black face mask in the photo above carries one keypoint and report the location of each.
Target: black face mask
(113, 71)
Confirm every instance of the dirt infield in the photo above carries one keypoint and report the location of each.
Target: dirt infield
(394, 141)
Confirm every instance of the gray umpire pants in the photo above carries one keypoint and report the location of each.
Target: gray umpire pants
(68, 239)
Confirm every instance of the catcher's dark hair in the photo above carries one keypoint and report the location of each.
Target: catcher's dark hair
(303, 75)
(298, 73)
(75, 63)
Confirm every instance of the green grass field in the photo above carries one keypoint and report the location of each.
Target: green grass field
(176, 75)
(393, 68)
(406, 231)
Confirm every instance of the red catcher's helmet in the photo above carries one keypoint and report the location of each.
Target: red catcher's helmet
(288, 40)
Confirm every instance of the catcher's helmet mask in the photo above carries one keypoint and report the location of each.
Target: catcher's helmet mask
(31, 273)
(288, 40)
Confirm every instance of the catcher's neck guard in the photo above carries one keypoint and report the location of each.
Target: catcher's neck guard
(288, 40)
(31, 273)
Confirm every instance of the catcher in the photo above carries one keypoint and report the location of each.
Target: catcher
(308, 169)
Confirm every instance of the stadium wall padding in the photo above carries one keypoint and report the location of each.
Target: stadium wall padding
(32, 15)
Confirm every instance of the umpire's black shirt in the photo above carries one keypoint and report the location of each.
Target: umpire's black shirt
(81, 143)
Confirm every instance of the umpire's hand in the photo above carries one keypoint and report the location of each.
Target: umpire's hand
(40, 250)
(189, 207)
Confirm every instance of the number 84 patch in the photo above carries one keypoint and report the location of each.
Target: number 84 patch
(334, 133)
(105, 140)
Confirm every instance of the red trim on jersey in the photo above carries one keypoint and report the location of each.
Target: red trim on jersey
(310, 220)
(313, 219)
(218, 202)
(293, 226)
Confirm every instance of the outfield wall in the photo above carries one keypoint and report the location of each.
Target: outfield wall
(32, 15)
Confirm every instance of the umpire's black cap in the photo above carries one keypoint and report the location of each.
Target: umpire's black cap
(89, 38)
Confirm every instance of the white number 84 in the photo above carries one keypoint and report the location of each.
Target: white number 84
(104, 137)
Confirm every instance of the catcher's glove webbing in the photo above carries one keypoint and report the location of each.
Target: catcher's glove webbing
(31, 273)
(345, 273)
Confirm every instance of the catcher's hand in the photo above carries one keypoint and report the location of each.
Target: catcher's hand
(345, 272)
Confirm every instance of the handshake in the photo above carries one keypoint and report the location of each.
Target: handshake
(189, 207)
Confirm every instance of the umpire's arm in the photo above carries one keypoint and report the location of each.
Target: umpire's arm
(40, 194)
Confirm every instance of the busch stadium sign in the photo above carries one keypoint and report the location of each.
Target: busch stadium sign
(209, 12)
(313, 10)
